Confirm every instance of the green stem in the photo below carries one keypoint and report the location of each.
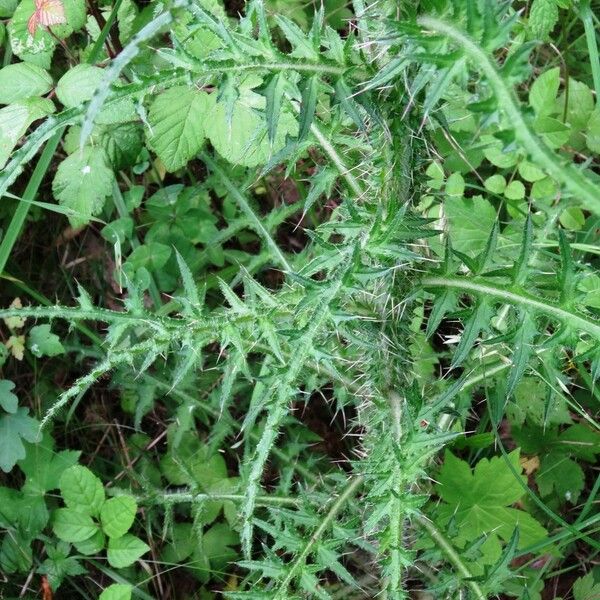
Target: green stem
(582, 188)
(133, 240)
(337, 160)
(184, 497)
(516, 297)
(451, 554)
(212, 68)
(245, 207)
(336, 506)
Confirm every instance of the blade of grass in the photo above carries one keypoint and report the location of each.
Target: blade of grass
(22, 210)
(585, 13)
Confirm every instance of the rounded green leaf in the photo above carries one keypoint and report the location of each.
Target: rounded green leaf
(73, 526)
(82, 490)
(117, 591)
(78, 84)
(572, 218)
(495, 184)
(117, 515)
(23, 80)
(515, 190)
(455, 185)
(125, 550)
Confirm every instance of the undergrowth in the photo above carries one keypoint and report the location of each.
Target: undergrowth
(299, 302)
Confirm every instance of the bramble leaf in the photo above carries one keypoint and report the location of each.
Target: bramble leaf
(73, 526)
(117, 515)
(82, 491)
(81, 184)
(23, 80)
(177, 120)
(117, 591)
(125, 550)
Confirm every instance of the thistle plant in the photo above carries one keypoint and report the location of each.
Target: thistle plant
(384, 126)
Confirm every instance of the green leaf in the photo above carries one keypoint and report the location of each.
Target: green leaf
(241, 136)
(479, 320)
(44, 466)
(580, 104)
(125, 550)
(82, 183)
(117, 591)
(73, 526)
(515, 190)
(59, 565)
(16, 118)
(560, 475)
(543, 92)
(37, 49)
(443, 304)
(470, 220)
(92, 545)
(177, 122)
(117, 515)
(8, 401)
(529, 172)
(535, 403)
(23, 80)
(273, 93)
(592, 134)
(586, 589)
(7, 7)
(308, 106)
(479, 501)
(455, 185)
(76, 14)
(82, 490)
(183, 542)
(543, 16)
(522, 351)
(15, 553)
(152, 255)
(14, 428)
(572, 218)
(42, 342)
(302, 47)
(495, 184)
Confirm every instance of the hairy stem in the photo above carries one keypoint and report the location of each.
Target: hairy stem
(582, 188)
(245, 207)
(334, 509)
(451, 554)
(518, 298)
